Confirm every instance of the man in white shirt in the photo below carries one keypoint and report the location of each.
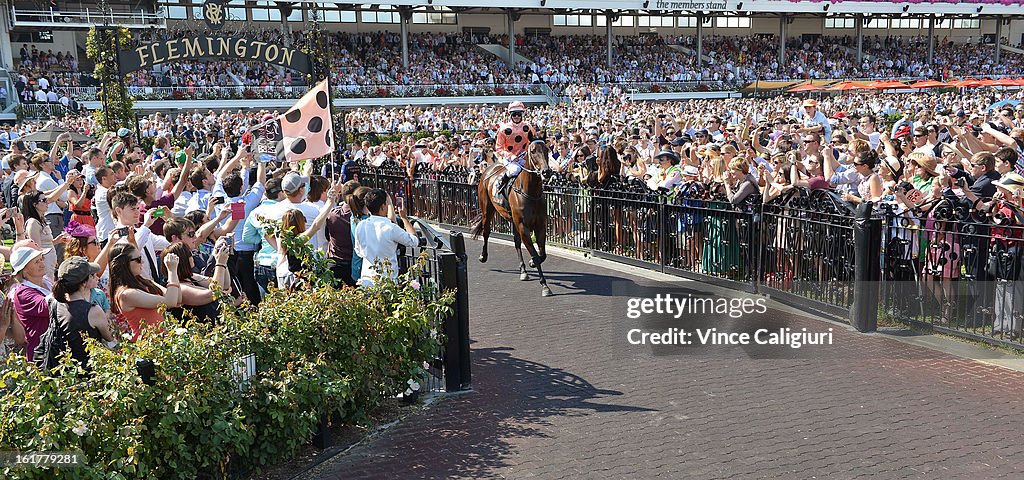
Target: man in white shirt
(377, 238)
(104, 217)
(126, 209)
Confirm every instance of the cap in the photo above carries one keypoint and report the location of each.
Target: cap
(839, 115)
(123, 132)
(273, 187)
(902, 132)
(677, 142)
(690, 171)
(810, 102)
(22, 255)
(76, 270)
(292, 182)
(702, 131)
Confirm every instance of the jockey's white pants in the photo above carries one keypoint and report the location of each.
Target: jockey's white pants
(512, 166)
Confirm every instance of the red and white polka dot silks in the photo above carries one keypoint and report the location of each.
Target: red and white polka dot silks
(513, 138)
(307, 128)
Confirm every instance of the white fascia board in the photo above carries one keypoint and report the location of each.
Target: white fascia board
(751, 6)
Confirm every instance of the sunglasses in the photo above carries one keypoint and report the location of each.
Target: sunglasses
(859, 163)
(809, 141)
(977, 164)
(920, 134)
(92, 242)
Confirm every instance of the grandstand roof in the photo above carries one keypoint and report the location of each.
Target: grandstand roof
(690, 7)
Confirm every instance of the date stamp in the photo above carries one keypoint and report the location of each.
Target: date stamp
(65, 459)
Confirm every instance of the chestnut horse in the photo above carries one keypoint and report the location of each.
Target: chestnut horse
(526, 209)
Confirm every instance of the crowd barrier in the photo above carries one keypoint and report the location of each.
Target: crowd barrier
(446, 268)
(954, 269)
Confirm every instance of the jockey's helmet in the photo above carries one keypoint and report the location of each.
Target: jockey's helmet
(516, 107)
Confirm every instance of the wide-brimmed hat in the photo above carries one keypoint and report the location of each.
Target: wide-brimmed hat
(810, 102)
(895, 165)
(1012, 181)
(22, 255)
(23, 177)
(928, 164)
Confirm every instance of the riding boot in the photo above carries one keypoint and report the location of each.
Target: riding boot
(503, 185)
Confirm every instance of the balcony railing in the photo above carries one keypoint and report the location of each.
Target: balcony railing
(243, 92)
(85, 18)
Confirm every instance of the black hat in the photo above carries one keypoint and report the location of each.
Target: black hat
(670, 154)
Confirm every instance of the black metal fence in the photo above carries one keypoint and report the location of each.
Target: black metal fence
(936, 268)
(446, 269)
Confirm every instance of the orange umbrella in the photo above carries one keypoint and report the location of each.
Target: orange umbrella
(844, 86)
(1018, 82)
(928, 84)
(966, 83)
(1004, 82)
(887, 84)
(807, 87)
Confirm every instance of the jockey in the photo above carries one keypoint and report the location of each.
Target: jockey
(511, 144)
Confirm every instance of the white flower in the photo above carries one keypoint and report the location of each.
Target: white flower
(414, 385)
(408, 392)
(180, 331)
(415, 284)
(114, 396)
(81, 430)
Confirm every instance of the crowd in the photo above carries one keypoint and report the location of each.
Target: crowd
(370, 64)
(106, 231)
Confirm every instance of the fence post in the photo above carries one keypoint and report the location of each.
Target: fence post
(867, 273)
(458, 244)
(453, 276)
(662, 244)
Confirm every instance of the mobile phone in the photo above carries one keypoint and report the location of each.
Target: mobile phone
(158, 212)
(400, 203)
(238, 211)
(229, 240)
(122, 232)
(267, 157)
(217, 200)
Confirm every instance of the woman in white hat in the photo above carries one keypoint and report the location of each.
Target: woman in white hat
(28, 297)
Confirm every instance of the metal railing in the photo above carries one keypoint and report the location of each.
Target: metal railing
(86, 17)
(254, 92)
(445, 268)
(810, 249)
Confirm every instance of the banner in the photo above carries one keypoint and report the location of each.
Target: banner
(690, 5)
(181, 49)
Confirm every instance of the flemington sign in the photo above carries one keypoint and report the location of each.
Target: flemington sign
(182, 49)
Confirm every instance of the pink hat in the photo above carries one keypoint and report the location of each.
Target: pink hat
(78, 230)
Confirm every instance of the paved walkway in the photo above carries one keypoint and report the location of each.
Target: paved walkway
(560, 394)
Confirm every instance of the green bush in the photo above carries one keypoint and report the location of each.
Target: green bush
(319, 351)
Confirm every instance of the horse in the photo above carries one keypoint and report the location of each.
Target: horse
(526, 209)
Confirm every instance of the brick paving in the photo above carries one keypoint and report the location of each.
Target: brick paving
(560, 394)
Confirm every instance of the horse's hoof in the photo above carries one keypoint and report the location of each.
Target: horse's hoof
(483, 258)
(545, 292)
(524, 277)
(532, 265)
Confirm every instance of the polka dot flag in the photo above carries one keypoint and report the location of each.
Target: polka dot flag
(306, 128)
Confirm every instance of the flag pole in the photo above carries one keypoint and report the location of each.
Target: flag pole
(325, 69)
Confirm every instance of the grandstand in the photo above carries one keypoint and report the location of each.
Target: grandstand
(457, 52)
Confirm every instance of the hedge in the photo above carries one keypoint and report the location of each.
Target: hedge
(318, 351)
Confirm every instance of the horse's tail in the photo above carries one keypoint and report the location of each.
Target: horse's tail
(482, 222)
